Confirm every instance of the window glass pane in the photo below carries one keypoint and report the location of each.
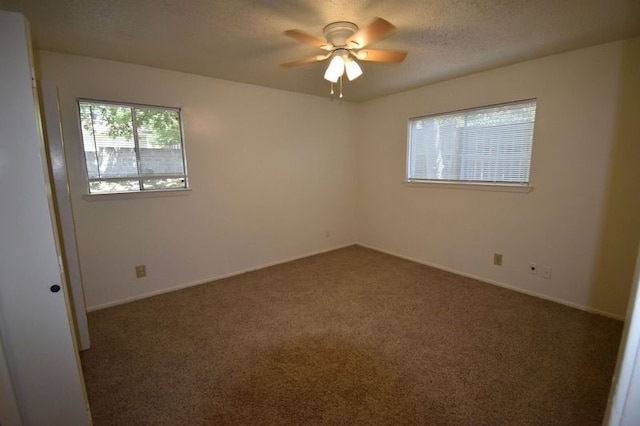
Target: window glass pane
(490, 144)
(98, 187)
(159, 141)
(89, 141)
(107, 134)
(168, 183)
(124, 144)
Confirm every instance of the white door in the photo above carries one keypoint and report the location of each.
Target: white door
(64, 208)
(624, 400)
(35, 326)
(9, 414)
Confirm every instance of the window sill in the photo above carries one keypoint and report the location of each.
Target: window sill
(470, 186)
(142, 194)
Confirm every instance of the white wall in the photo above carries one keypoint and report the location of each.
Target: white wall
(271, 171)
(561, 223)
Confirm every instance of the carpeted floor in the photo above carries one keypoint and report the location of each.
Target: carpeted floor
(348, 337)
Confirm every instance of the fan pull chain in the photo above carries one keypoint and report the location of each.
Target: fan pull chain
(332, 92)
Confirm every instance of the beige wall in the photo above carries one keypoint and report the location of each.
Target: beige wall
(560, 223)
(620, 231)
(271, 171)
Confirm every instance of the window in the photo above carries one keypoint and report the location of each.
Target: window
(488, 145)
(132, 148)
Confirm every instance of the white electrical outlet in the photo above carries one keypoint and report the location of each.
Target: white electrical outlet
(533, 268)
(546, 271)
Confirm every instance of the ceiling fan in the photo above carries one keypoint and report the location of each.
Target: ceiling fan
(344, 43)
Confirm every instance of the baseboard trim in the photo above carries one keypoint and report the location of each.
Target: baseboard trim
(369, 246)
(208, 280)
(497, 283)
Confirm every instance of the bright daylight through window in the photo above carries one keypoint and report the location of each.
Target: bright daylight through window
(132, 148)
(489, 145)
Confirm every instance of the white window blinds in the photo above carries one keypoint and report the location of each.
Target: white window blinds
(481, 145)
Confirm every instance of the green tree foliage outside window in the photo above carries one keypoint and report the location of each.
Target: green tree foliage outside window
(163, 124)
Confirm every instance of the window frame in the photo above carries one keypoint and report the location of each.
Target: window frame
(141, 192)
(502, 186)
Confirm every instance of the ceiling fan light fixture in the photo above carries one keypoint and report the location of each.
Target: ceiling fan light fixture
(335, 69)
(353, 69)
(346, 45)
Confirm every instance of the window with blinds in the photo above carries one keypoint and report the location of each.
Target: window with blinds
(132, 148)
(487, 145)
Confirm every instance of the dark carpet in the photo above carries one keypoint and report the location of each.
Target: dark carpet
(352, 336)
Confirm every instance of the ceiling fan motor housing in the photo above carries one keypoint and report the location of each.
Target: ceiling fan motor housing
(337, 33)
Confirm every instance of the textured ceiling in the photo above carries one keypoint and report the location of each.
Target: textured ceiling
(242, 40)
